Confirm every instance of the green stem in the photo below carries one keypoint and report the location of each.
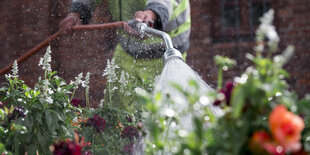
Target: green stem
(110, 92)
(87, 100)
(220, 78)
(72, 95)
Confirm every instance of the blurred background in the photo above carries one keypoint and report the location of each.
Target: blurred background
(219, 27)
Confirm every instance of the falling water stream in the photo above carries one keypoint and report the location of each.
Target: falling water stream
(178, 72)
(175, 71)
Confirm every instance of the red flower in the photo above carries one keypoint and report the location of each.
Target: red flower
(128, 148)
(67, 148)
(96, 122)
(129, 119)
(130, 132)
(286, 128)
(78, 103)
(226, 91)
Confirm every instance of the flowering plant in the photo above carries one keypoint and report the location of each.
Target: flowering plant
(110, 129)
(32, 119)
(260, 115)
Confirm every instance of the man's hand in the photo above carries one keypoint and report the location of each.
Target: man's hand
(65, 26)
(140, 16)
(145, 16)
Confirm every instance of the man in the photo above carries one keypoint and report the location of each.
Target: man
(140, 58)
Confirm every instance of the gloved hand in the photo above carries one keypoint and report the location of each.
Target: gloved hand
(147, 16)
(65, 26)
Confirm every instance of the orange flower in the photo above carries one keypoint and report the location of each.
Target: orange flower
(258, 140)
(286, 128)
(261, 143)
(120, 125)
(82, 142)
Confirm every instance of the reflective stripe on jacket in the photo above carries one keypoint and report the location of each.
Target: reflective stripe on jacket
(174, 19)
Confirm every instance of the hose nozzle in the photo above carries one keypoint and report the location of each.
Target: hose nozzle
(143, 29)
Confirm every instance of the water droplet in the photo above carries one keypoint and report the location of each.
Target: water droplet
(165, 123)
(279, 149)
(278, 94)
(220, 96)
(187, 151)
(173, 124)
(169, 112)
(225, 68)
(183, 133)
(204, 100)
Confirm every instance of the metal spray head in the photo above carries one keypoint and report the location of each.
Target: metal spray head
(143, 29)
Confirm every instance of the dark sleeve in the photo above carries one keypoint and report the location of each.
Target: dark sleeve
(85, 11)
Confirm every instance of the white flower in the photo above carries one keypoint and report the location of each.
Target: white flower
(78, 79)
(123, 80)
(45, 62)
(101, 103)
(8, 76)
(49, 100)
(15, 70)
(109, 71)
(266, 29)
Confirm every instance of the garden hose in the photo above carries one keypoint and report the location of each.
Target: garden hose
(44, 43)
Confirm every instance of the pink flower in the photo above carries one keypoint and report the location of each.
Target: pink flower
(286, 128)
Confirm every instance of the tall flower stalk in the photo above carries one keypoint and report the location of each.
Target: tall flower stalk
(109, 72)
(76, 83)
(45, 62)
(86, 84)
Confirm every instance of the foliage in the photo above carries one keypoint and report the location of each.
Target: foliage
(112, 128)
(166, 127)
(32, 119)
(48, 119)
(249, 123)
(261, 114)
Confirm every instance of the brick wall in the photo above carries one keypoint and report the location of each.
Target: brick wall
(292, 20)
(27, 22)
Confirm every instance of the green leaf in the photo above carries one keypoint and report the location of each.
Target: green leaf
(222, 61)
(2, 148)
(27, 94)
(49, 119)
(36, 93)
(32, 149)
(44, 141)
(237, 101)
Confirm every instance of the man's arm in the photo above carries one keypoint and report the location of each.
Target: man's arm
(84, 8)
(80, 13)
